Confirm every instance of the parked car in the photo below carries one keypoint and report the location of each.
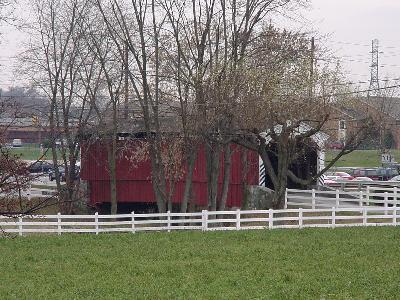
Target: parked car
(61, 170)
(362, 179)
(40, 166)
(395, 178)
(343, 175)
(381, 174)
(16, 143)
(328, 180)
(333, 178)
(336, 145)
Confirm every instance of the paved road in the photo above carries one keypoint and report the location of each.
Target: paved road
(43, 180)
(328, 201)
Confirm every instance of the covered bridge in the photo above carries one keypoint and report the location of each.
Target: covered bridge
(134, 178)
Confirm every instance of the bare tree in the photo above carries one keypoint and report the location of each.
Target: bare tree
(278, 116)
(54, 62)
(112, 72)
(212, 39)
(138, 25)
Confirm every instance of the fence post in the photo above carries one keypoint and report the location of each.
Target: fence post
(270, 218)
(286, 198)
(204, 216)
(133, 222)
(361, 199)
(333, 217)
(364, 212)
(395, 196)
(59, 223)
(337, 198)
(96, 222)
(394, 215)
(169, 221)
(300, 218)
(367, 196)
(386, 203)
(313, 199)
(238, 219)
(20, 226)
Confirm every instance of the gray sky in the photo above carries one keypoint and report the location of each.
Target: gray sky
(352, 25)
(347, 27)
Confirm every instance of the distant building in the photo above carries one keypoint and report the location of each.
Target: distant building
(383, 111)
(28, 130)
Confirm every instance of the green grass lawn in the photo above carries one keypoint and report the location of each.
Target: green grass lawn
(31, 152)
(360, 158)
(351, 263)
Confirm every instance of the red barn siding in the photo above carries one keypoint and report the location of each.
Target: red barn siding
(134, 180)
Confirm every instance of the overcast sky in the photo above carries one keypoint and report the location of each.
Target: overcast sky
(348, 27)
(352, 25)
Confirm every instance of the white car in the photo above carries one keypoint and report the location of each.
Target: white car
(330, 177)
(395, 178)
(362, 179)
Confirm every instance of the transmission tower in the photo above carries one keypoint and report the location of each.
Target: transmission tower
(374, 83)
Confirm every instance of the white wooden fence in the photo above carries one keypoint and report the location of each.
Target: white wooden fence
(372, 196)
(204, 221)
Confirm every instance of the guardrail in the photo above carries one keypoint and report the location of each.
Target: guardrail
(355, 185)
(34, 192)
(39, 193)
(372, 196)
(202, 221)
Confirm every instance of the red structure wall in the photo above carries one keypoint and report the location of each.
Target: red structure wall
(134, 179)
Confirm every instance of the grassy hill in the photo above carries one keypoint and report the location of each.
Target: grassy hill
(281, 264)
(360, 158)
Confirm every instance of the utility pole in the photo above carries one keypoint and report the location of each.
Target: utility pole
(374, 82)
(126, 60)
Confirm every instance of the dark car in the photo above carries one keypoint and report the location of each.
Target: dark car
(40, 166)
(381, 174)
(61, 170)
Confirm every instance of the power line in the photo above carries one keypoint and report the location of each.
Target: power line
(366, 91)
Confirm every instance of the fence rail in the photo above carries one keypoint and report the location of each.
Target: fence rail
(34, 192)
(355, 185)
(372, 196)
(202, 221)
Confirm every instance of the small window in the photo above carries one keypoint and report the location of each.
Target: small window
(342, 124)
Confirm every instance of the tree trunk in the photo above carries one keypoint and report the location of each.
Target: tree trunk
(245, 171)
(279, 195)
(158, 178)
(112, 153)
(188, 181)
(213, 156)
(227, 176)
(282, 178)
(70, 181)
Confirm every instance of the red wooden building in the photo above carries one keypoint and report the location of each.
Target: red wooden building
(134, 179)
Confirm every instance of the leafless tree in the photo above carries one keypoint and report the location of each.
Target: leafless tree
(54, 62)
(284, 106)
(211, 39)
